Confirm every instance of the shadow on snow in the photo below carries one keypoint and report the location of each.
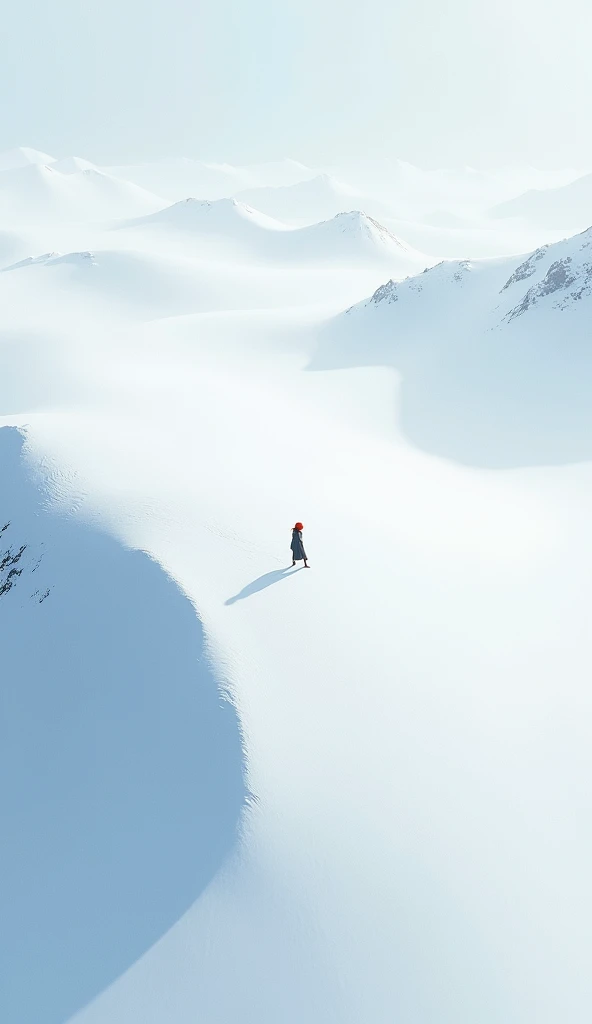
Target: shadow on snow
(498, 399)
(262, 582)
(121, 764)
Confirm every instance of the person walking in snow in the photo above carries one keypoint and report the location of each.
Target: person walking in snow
(298, 552)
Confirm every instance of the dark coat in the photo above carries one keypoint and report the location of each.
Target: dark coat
(298, 552)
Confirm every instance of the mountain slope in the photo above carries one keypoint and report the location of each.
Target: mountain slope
(316, 199)
(114, 640)
(139, 285)
(497, 351)
(231, 227)
(566, 207)
(12, 159)
(39, 192)
(353, 238)
(72, 164)
(222, 216)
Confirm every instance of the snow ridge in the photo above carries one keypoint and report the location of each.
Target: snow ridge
(563, 271)
(568, 277)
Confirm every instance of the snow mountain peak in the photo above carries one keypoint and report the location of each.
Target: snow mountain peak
(563, 270)
(209, 215)
(357, 220)
(441, 274)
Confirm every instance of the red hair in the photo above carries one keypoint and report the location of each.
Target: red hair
(298, 526)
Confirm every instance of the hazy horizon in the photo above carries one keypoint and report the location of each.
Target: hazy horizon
(465, 86)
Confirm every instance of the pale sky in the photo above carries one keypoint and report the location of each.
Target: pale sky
(433, 82)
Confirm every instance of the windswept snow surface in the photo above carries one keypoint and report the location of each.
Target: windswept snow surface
(238, 792)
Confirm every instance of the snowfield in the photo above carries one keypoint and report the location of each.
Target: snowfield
(238, 792)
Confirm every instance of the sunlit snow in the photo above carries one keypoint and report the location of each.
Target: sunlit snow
(238, 793)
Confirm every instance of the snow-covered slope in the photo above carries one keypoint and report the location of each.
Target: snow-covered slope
(230, 227)
(40, 192)
(72, 164)
(497, 351)
(306, 202)
(96, 638)
(219, 217)
(238, 791)
(11, 159)
(354, 237)
(557, 276)
(566, 207)
(136, 285)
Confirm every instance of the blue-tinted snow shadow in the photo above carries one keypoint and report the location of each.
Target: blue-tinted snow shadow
(262, 582)
(497, 399)
(121, 765)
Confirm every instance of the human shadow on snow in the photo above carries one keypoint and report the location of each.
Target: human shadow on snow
(121, 763)
(262, 582)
